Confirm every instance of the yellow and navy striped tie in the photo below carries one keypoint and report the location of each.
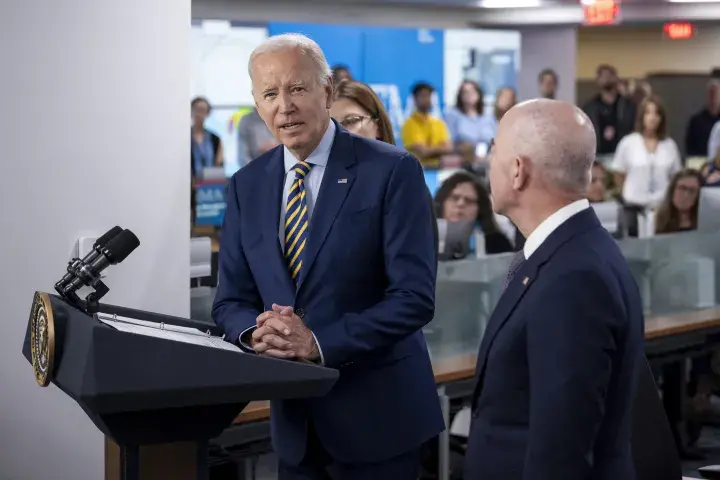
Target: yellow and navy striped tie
(296, 221)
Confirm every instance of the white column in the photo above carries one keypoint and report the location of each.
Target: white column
(548, 47)
(94, 130)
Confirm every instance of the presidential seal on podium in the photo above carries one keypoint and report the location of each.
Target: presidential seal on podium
(42, 338)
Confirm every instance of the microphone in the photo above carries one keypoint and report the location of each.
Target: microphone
(90, 268)
(75, 263)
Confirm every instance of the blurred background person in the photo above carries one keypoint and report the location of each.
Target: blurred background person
(340, 73)
(358, 109)
(639, 90)
(711, 170)
(596, 189)
(697, 135)
(505, 99)
(611, 113)
(463, 198)
(424, 135)
(206, 147)
(469, 128)
(548, 83)
(645, 162)
(678, 211)
(254, 138)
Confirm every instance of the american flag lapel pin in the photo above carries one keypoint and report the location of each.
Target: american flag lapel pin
(342, 180)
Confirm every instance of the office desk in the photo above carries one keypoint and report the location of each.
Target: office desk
(462, 367)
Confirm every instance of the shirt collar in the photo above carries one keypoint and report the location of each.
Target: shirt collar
(547, 227)
(319, 156)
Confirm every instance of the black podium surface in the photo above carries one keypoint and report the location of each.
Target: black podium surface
(140, 390)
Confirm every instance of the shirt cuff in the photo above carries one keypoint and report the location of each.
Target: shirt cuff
(244, 342)
(246, 346)
(322, 359)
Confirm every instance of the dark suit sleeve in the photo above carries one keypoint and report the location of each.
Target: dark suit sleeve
(237, 302)
(571, 343)
(411, 267)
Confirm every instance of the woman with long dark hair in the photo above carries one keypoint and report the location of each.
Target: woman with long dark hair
(463, 198)
(678, 211)
(467, 122)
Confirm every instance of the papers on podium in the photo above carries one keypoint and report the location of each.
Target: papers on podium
(175, 333)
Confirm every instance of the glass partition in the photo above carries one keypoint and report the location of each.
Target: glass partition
(675, 273)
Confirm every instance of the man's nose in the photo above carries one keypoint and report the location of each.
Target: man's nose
(286, 103)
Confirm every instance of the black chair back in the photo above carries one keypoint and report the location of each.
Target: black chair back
(653, 445)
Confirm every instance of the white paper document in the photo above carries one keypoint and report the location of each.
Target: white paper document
(163, 330)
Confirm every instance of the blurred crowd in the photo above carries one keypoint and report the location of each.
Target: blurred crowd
(639, 166)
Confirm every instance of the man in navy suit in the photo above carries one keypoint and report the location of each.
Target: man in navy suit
(327, 255)
(557, 364)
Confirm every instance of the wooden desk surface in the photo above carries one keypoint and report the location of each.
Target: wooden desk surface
(665, 325)
(462, 367)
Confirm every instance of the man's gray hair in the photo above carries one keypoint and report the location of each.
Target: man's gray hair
(560, 141)
(307, 47)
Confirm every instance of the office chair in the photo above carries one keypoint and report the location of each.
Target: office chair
(653, 446)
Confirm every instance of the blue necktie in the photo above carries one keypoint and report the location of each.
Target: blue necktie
(296, 221)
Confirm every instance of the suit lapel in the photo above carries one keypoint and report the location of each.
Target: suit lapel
(336, 183)
(270, 203)
(509, 299)
(525, 277)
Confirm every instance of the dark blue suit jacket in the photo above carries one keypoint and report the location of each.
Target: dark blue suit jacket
(557, 365)
(367, 289)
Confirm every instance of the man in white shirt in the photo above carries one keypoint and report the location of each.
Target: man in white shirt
(556, 369)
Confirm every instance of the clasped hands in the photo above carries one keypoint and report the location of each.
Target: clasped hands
(281, 333)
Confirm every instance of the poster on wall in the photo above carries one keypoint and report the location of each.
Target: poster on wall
(491, 58)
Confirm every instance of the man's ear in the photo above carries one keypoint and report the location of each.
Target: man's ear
(521, 173)
(329, 93)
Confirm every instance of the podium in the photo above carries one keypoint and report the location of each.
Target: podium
(159, 400)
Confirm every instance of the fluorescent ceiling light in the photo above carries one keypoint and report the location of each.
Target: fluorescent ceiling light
(509, 3)
(694, 1)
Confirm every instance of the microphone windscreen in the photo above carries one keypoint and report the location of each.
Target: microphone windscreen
(121, 246)
(109, 235)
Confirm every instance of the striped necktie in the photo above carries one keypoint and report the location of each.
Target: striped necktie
(296, 221)
(517, 261)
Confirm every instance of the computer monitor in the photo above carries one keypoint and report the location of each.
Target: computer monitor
(709, 210)
(454, 239)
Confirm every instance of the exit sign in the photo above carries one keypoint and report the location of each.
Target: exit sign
(679, 31)
(601, 12)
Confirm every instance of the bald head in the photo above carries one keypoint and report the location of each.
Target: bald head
(558, 140)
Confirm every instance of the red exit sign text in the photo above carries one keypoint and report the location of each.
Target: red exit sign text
(601, 12)
(679, 31)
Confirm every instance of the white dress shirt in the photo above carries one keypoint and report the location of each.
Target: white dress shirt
(318, 160)
(550, 224)
(647, 174)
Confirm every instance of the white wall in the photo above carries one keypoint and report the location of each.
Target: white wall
(547, 47)
(94, 133)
